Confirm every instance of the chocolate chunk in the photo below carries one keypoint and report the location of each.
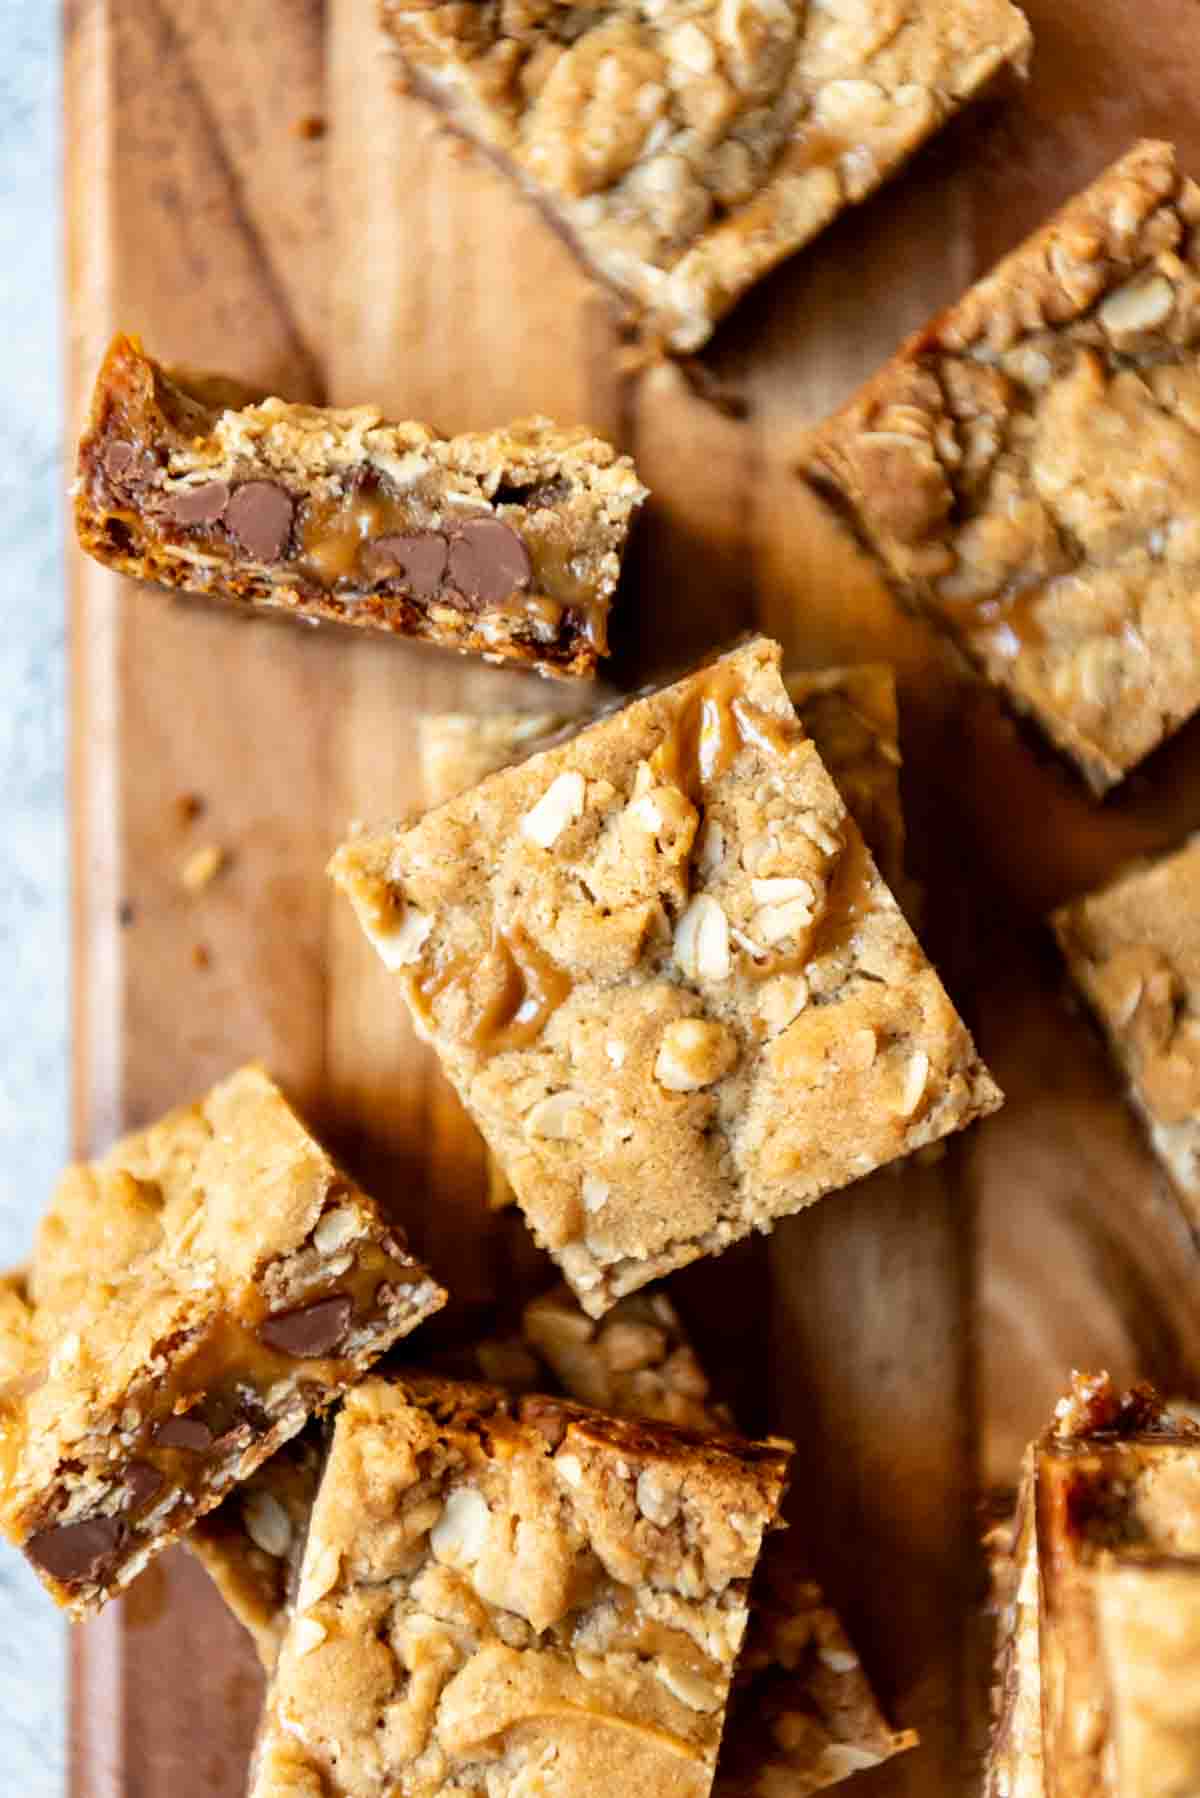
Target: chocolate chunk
(142, 1482)
(76, 1552)
(199, 505)
(235, 1439)
(117, 459)
(419, 561)
(260, 517)
(311, 1330)
(488, 560)
(184, 1432)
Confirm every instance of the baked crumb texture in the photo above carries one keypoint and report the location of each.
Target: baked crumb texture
(1133, 949)
(802, 1714)
(514, 1596)
(193, 1299)
(1027, 468)
(507, 543)
(850, 713)
(1099, 1657)
(666, 979)
(684, 147)
(250, 1545)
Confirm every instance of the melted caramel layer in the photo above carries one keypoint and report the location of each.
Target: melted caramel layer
(715, 722)
(530, 988)
(222, 1381)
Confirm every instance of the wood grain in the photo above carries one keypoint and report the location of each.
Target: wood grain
(911, 1333)
(172, 699)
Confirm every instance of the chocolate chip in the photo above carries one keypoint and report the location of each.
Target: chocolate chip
(117, 459)
(199, 505)
(260, 517)
(142, 1482)
(76, 1552)
(419, 561)
(236, 1439)
(311, 1330)
(184, 1432)
(488, 560)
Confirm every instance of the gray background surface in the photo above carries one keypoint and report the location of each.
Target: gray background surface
(33, 841)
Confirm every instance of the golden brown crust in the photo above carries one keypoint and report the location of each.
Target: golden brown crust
(193, 1298)
(1133, 948)
(562, 1594)
(1025, 469)
(687, 147)
(505, 543)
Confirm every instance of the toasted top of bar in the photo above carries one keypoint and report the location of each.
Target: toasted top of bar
(1134, 947)
(206, 438)
(689, 144)
(637, 1361)
(492, 1586)
(224, 1214)
(661, 967)
(1028, 465)
(1120, 1473)
(850, 713)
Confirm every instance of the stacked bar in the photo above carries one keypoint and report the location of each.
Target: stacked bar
(1099, 1670)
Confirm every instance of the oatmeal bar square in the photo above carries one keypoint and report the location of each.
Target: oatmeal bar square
(1133, 949)
(802, 1714)
(193, 1299)
(1100, 1660)
(1026, 470)
(685, 147)
(850, 713)
(661, 969)
(508, 1595)
(506, 542)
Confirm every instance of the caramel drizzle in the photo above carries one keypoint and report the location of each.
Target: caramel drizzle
(713, 724)
(848, 898)
(211, 1377)
(529, 988)
(1008, 624)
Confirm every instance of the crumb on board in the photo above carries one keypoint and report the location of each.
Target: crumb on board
(310, 125)
(190, 806)
(201, 956)
(202, 866)
(126, 913)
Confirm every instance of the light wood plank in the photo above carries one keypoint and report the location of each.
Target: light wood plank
(171, 699)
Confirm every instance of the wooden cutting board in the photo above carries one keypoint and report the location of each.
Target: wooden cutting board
(911, 1333)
